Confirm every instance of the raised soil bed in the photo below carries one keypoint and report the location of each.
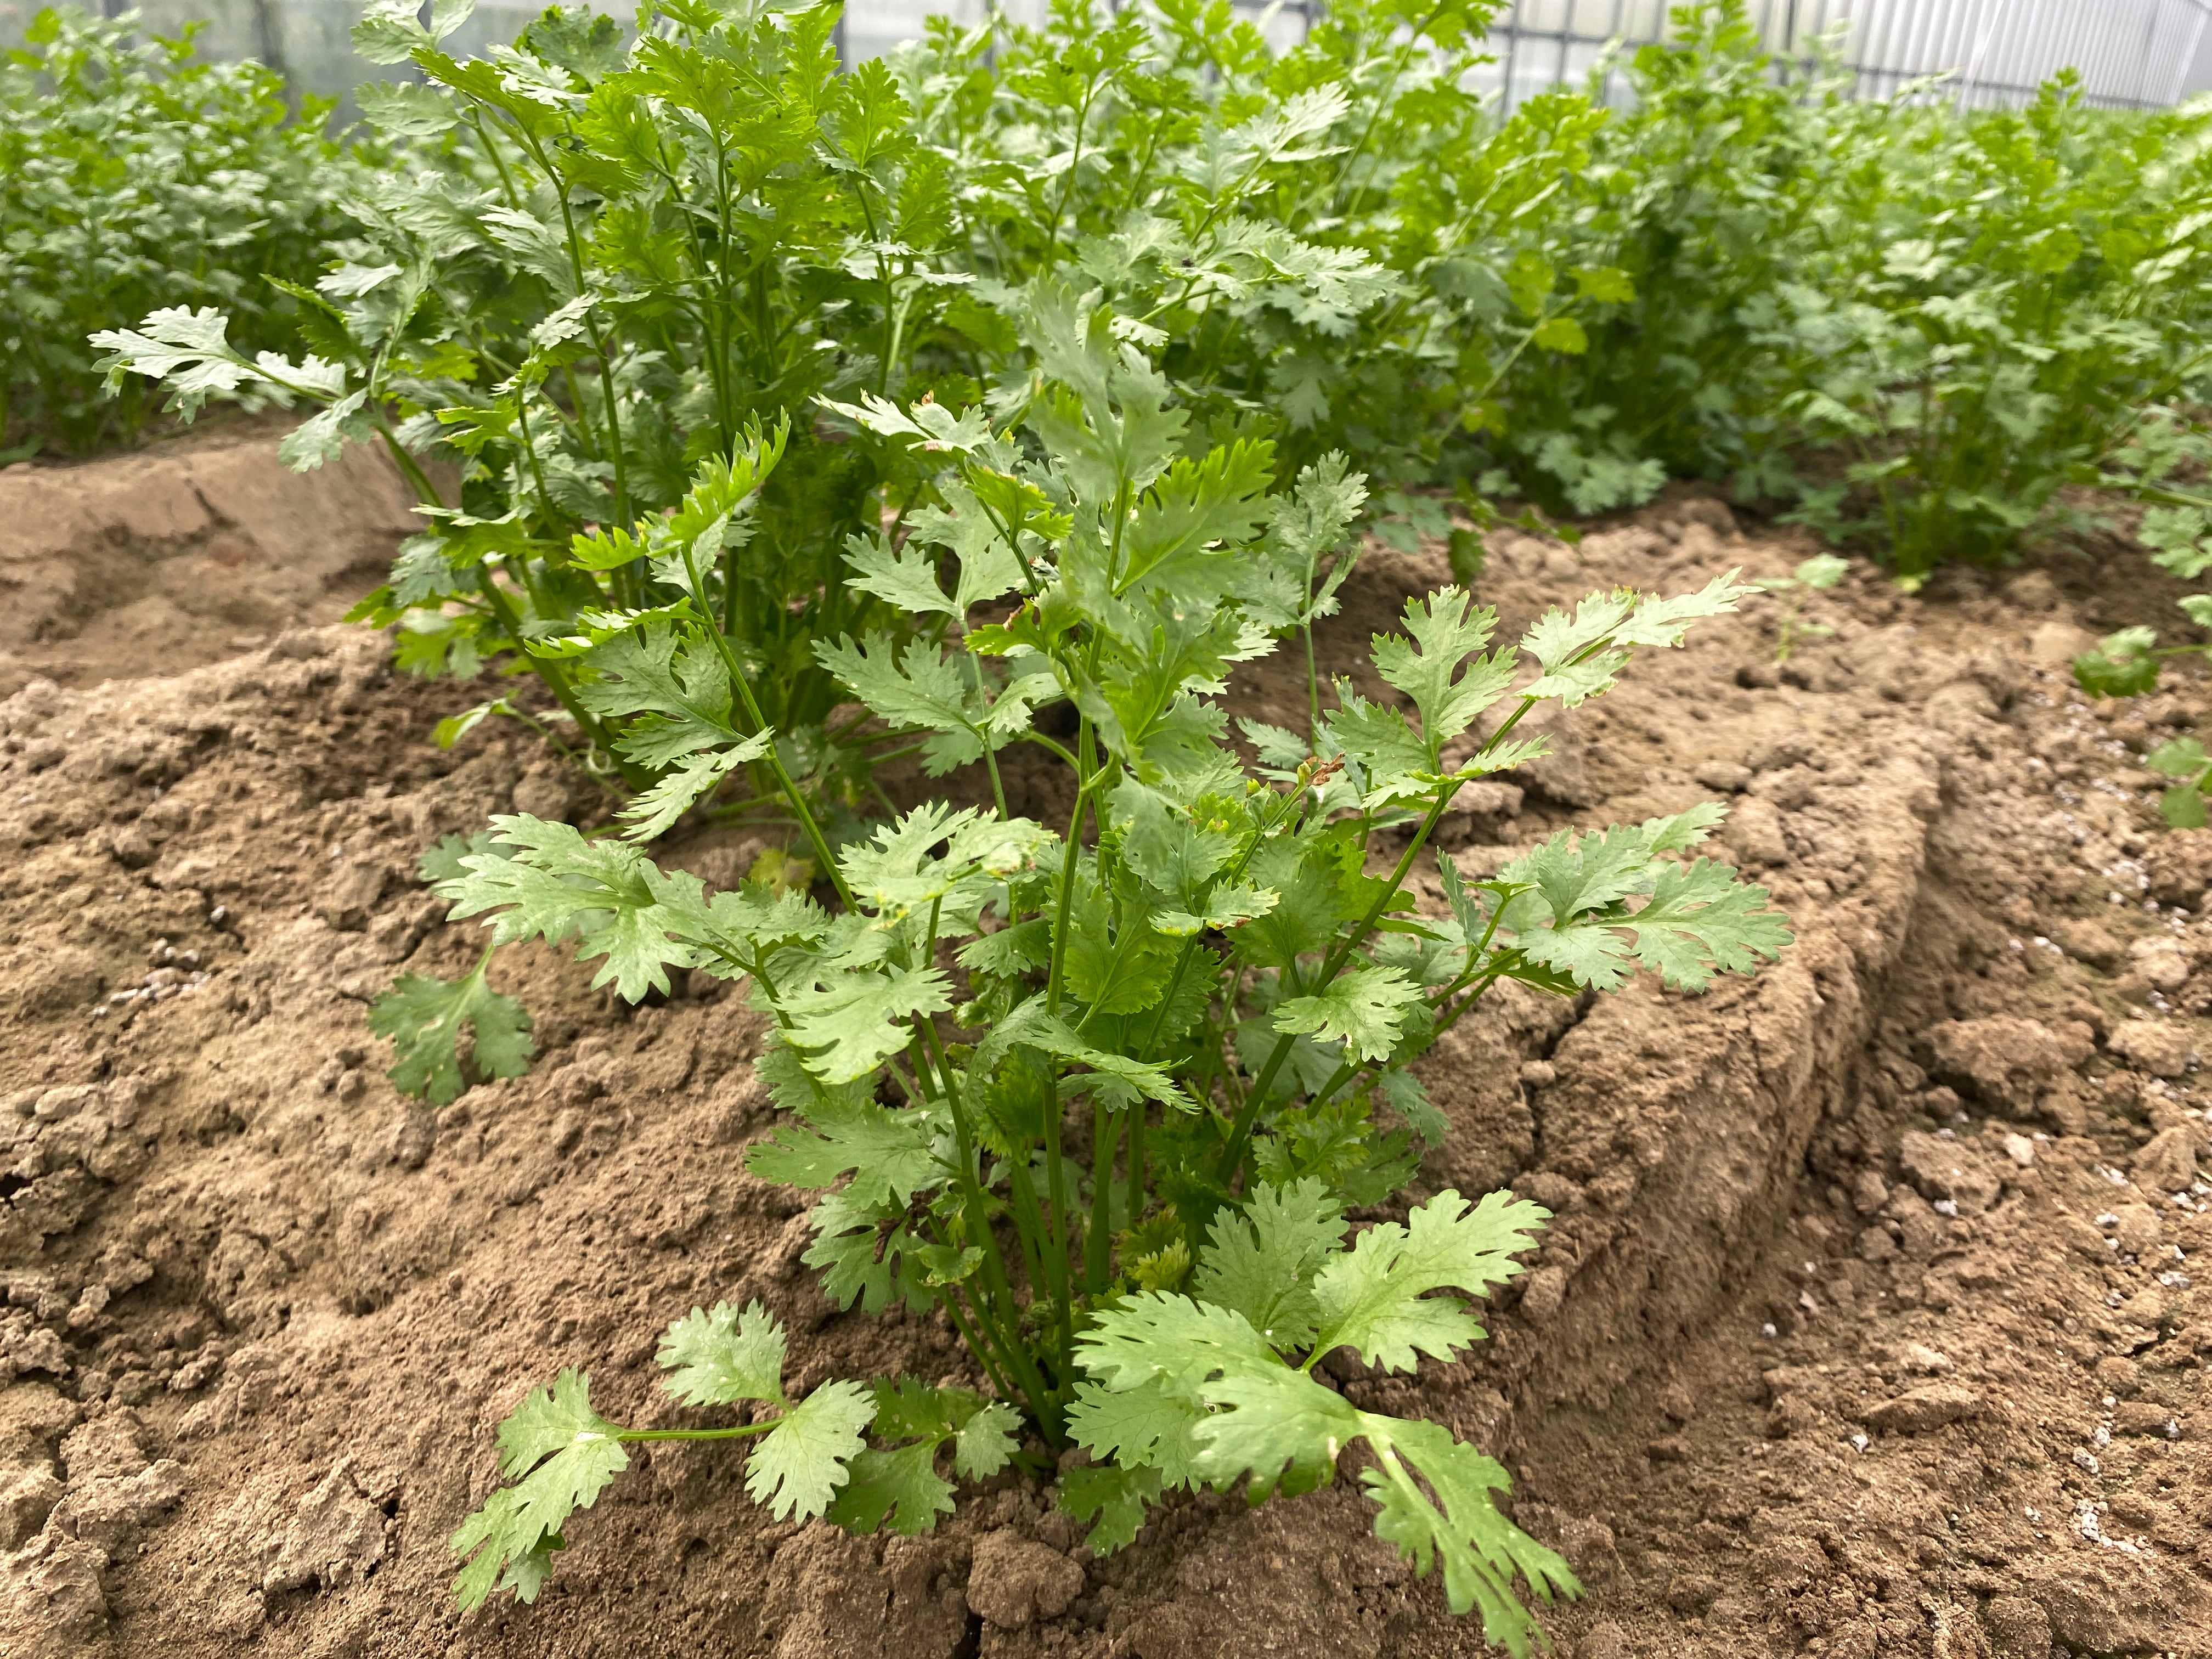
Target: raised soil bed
(1866, 1326)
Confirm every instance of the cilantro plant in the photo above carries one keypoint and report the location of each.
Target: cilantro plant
(1107, 1093)
(1814, 575)
(1689, 211)
(571, 332)
(133, 175)
(2004, 302)
(2176, 528)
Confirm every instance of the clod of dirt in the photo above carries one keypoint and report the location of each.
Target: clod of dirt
(1945, 1169)
(2178, 867)
(2161, 1048)
(26, 1501)
(1015, 1580)
(2008, 1062)
(2167, 1161)
(1928, 1406)
(336, 1537)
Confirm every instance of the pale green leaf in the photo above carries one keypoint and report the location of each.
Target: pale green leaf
(1373, 1299)
(796, 1467)
(718, 1358)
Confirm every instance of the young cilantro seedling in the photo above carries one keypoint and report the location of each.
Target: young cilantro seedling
(1814, 575)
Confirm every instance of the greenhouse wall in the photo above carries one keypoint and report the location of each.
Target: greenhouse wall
(2129, 53)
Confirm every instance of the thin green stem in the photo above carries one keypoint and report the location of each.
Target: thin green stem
(1105, 1135)
(1232, 1154)
(1042, 1402)
(816, 839)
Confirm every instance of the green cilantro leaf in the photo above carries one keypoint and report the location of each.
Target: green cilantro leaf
(796, 1467)
(901, 1487)
(1481, 1549)
(676, 686)
(1373, 1298)
(426, 1019)
(654, 813)
(561, 1454)
(1448, 689)
(556, 881)
(718, 1358)
(853, 1023)
(1260, 1261)
(889, 1152)
(1112, 1499)
(1364, 1007)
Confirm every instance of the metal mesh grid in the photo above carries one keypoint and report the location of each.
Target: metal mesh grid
(2130, 53)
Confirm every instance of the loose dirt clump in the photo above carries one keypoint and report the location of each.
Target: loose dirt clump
(1867, 1325)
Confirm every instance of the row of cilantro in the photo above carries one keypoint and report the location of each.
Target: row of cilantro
(588, 266)
(133, 176)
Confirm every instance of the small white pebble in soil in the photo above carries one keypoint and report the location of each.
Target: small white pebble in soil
(1768, 1331)
(1946, 1207)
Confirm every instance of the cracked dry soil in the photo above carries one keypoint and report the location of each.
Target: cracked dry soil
(1867, 1325)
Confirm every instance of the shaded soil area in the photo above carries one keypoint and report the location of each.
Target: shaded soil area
(1866, 1327)
(185, 553)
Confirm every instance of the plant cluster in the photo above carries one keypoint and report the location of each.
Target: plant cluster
(1108, 1094)
(2004, 306)
(986, 406)
(134, 176)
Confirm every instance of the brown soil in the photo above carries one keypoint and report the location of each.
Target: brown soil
(187, 552)
(1866, 1326)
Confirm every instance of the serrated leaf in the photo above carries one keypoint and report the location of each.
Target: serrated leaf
(1023, 948)
(853, 1024)
(888, 1153)
(556, 881)
(406, 109)
(1196, 507)
(1112, 1499)
(1373, 1298)
(902, 1487)
(1150, 1424)
(920, 688)
(1480, 1549)
(654, 813)
(1406, 1096)
(987, 1442)
(1395, 758)
(675, 690)
(561, 1454)
(1699, 920)
(1260, 1260)
(1225, 907)
(718, 1358)
(2122, 665)
(426, 1020)
(1273, 1425)
(1123, 975)
(1432, 666)
(904, 576)
(1364, 1007)
(796, 1467)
